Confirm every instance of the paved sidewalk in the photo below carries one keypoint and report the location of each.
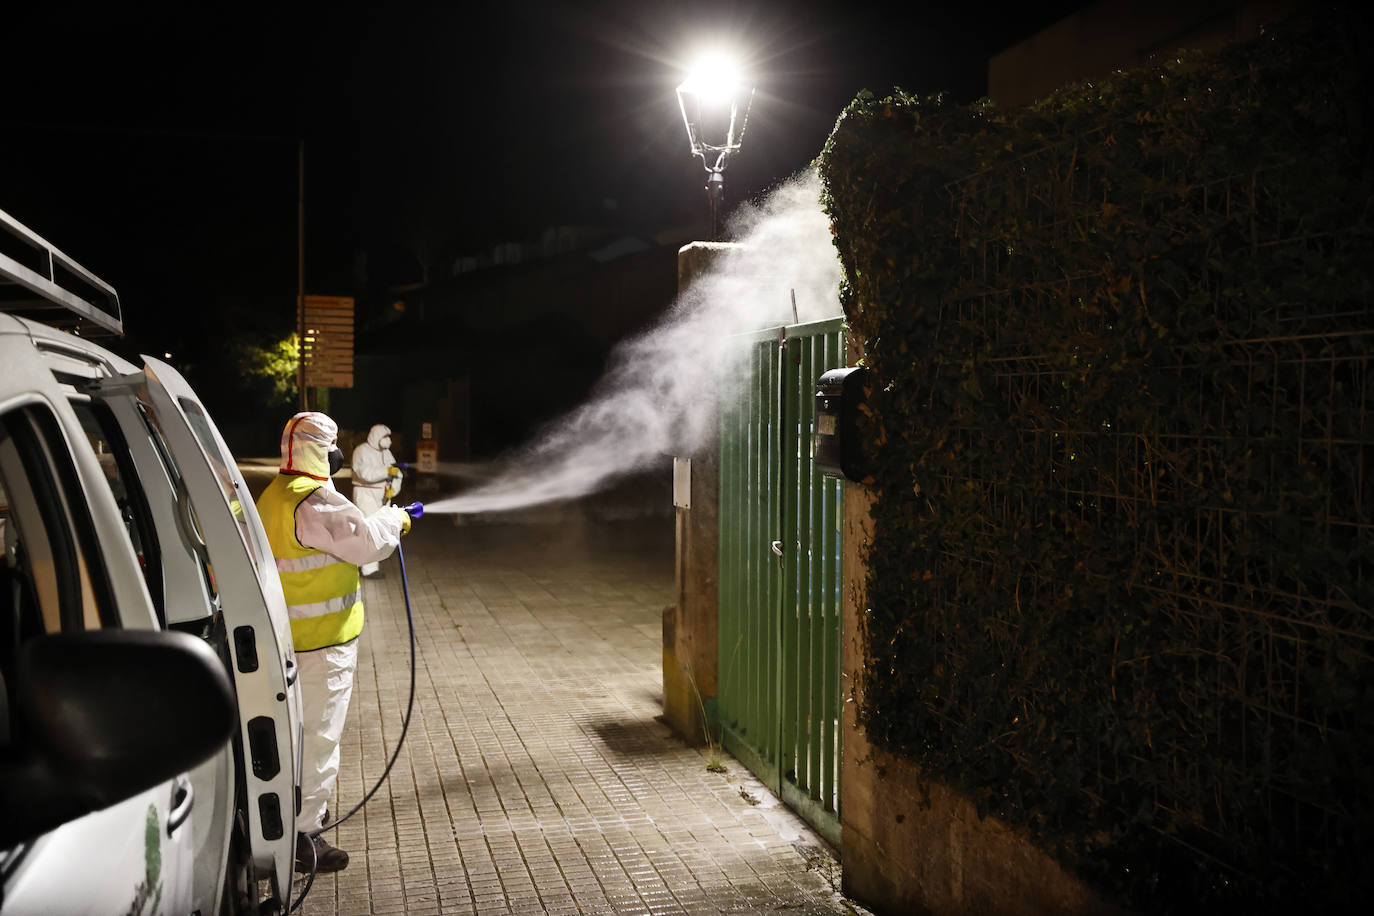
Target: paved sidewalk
(535, 777)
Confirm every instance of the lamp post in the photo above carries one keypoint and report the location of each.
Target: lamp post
(715, 107)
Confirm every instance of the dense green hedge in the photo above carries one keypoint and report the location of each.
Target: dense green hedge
(1122, 579)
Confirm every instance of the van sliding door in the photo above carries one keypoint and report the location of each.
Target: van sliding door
(254, 613)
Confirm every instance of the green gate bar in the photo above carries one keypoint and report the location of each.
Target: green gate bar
(779, 575)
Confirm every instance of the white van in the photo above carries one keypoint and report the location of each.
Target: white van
(149, 714)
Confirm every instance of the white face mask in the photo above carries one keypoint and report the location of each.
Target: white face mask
(386, 442)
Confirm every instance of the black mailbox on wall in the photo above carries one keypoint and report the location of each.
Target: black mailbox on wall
(837, 451)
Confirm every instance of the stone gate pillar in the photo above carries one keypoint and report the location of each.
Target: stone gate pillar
(689, 624)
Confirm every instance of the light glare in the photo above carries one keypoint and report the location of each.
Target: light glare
(713, 79)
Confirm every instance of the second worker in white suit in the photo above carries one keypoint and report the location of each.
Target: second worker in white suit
(376, 478)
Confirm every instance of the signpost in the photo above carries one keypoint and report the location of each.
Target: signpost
(327, 341)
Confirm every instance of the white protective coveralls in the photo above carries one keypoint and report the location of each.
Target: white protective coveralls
(374, 473)
(326, 521)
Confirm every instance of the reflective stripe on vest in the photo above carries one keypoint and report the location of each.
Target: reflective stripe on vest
(318, 560)
(322, 592)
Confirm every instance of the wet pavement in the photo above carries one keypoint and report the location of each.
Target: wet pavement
(536, 776)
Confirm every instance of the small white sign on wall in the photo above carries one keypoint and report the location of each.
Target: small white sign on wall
(427, 456)
(682, 483)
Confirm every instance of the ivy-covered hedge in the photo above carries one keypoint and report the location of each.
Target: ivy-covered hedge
(1122, 578)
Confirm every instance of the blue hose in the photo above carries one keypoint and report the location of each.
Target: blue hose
(414, 510)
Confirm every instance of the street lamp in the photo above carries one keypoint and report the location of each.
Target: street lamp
(715, 107)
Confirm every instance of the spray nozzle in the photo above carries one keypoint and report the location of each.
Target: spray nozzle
(414, 510)
(404, 465)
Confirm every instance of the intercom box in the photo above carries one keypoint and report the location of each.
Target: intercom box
(838, 450)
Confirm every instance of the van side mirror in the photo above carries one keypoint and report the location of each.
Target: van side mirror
(103, 715)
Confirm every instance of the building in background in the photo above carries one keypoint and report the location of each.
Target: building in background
(494, 344)
(1119, 35)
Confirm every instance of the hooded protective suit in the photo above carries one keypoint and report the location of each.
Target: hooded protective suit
(376, 478)
(319, 539)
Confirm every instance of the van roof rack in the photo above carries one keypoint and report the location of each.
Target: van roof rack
(40, 282)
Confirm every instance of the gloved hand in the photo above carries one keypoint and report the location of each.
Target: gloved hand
(403, 516)
(388, 493)
(393, 471)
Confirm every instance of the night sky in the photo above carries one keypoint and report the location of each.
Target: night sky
(159, 148)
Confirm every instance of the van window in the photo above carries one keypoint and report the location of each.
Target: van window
(48, 509)
(102, 431)
(52, 577)
(221, 464)
(191, 523)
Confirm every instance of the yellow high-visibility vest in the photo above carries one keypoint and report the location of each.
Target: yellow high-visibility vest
(323, 593)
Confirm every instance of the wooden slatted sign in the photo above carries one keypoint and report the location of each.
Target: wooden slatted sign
(328, 346)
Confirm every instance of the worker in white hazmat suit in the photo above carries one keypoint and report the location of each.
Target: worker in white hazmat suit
(376, 477)
(319, 540)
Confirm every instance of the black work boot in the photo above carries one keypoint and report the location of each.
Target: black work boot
(326, 858)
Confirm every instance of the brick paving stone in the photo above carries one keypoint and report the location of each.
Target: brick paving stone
(536, 777)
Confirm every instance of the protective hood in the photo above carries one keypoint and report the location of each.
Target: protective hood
(306, 442)
(376, 434)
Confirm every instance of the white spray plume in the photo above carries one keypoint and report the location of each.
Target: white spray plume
(659, 395)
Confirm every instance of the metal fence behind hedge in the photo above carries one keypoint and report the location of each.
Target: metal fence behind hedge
(1244, 507)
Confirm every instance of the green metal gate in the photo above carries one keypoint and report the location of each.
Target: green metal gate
(779, 622)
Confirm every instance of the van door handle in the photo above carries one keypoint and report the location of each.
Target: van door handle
(183, 797)
(291, 671)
